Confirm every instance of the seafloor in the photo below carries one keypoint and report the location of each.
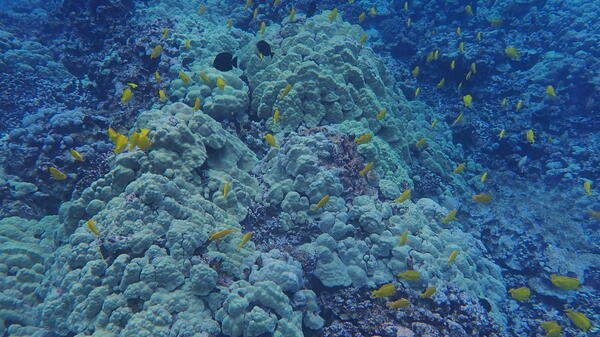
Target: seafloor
(384, 148)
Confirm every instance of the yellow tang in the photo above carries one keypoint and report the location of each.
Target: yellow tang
(263, 27)
(417, 92)
(381, 114)
(363, 38)
(403, 239)
(520, 294)
(453, 256)
(292, 16)
(162, 95)
(255, 14)
(399, 304)
(202, 10)
(204, 77)
(484, 177)
(364, 138)
(333, 14)
(565, 282)
(552, 328)
(76, 155)
(221, 83)
(502, 134)
(416, 71)
(221, 234)
(579, 319)
(519, 105)
(530, 136)
(411, 275)
(404, 196)
(450, 217)
(587, 187)
(156, 51)
(362, 17)
(285, 91)
(512, 52)
(372, 12)
(384, 291)
(197, 103)
(188, 44)
(458, 119)
(434, 123)
(460, 168)
(469, 10)
(157, 76)
(184, 77)
(322, 202)
(428, 292)
(120, 143)
(276, 116)
(56, 173)
(248, 4)
(367, 168)
(166, 33)
(92, 227)
(483, 198)
(226, 186)
(551, 91)
(423, 140)
(271, 140)
(127, 95)
(441, 83)
(245, 239)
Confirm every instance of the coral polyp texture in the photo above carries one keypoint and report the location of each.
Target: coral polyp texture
(289, 169)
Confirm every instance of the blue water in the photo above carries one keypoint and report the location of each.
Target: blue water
(146, 193)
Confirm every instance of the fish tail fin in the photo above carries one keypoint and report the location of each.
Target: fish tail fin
(234, 61)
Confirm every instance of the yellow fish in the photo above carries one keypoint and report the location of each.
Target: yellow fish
(381, 114)
(579, 319)
(452, 64)
(140, 140)
(459, 85)
(248, 4)
(226, 186)
(565, 282)
(408, 21)
(552, 328)
(594, 214)
(384, 291)
(484, 177)
(364, 138)
(188, 44)
(428, 292)
(434, 123)
(229, 23)
(322, 202)
(479, 36)
(276, 116)
(587, 187)
(56, 173)
(292, 16)
(403, 238)
(263, 27)
(372, 12)
(245, 239)
(441, 83)
(351, 1)
(421, 142)
(469, 10)
(513, 53)
(453, 256)
(436, 54)
(285, 91)
(411, 275)
(417, 92)
(204, 77)
(112, 134)
(333, 14)
(404, 196)
(271, 140)
(156, 51)
(127, 95)
(166, 33)
(450, 217)
(363, 38)
(367, 168)
(202, 10)
(276, 3)
(416, 71)
(502, 134)
(469, 74)
(399, 304)
(458, 31)
(221, 83)
(474, 67)
(157, 76)
(430, 57)
(184, 77)
(405, 5)
(461, 47)
(162, 95)
(362, 17)
(483, 198)
(520, 294)
(91, 224)
(76, 155)
(519, 105)
(133, 85)
(222, 233)
(458, 119)
(120, 143)
(496, 22)
(255, 14)
(197, 103)
(530, 136)
(551, 91)
(460, 168)
(504, 101)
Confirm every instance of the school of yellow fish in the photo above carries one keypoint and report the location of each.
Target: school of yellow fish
(141, 140)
